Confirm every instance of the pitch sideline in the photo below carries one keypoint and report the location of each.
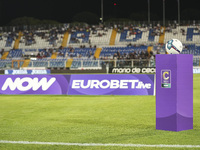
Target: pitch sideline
(99, 144)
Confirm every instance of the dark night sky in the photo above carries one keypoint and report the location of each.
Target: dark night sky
(63, 11)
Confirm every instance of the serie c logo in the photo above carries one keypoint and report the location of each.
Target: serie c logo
(166, 78)
(166, 75)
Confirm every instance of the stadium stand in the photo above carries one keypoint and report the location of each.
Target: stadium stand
(80, 46)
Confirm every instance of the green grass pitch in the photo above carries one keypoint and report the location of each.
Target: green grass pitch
(89, 119)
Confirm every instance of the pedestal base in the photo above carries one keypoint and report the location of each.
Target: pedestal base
(174, 92)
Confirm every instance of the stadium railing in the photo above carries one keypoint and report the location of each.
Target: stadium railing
(84, 64)
(79, 64)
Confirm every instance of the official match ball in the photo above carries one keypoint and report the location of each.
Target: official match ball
(174, 46)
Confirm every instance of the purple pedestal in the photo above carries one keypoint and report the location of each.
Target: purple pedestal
(174, 92)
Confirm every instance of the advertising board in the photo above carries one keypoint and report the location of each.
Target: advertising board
(130, 70)
(111, 85)
(24, 71)
(34, 84)
(95, 84)
(196, 70)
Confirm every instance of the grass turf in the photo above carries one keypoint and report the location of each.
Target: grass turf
(88, 119)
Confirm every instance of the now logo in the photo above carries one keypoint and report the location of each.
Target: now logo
(27, 83)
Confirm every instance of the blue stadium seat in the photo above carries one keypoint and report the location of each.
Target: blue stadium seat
(15, 53)
(9, 41)
(80, 35)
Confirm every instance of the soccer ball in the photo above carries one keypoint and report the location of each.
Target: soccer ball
(174, 46)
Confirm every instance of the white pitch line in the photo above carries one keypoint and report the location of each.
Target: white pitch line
(99, 144)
